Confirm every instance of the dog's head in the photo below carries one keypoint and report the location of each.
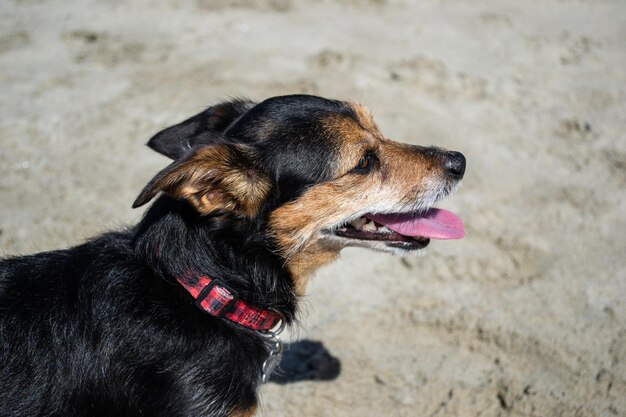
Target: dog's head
(316, 174)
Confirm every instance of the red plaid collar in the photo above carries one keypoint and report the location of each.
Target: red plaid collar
(214, 297)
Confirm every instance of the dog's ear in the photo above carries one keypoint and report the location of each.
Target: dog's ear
(202, 129)
(213, 178)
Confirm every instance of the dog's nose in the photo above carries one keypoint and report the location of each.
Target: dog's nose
(454, 164)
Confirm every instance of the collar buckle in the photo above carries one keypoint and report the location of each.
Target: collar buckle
(219, 298)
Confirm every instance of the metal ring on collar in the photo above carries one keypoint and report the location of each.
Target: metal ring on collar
(278, 328)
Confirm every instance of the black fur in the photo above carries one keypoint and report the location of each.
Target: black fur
(204, 128)
(103, 329)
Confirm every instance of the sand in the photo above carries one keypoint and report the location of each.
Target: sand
(526, 316)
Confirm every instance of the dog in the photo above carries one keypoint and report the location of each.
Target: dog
(179, 315)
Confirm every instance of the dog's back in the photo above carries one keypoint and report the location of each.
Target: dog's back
(89, 331)
(49, 343)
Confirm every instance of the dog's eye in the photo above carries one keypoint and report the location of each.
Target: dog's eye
(366, 163)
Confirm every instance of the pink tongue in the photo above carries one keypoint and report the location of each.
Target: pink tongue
(434, 224)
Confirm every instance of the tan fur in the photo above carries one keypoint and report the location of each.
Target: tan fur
(211, 180)
(243, 413)
(304, 263)
(402, 176)
(365, 117)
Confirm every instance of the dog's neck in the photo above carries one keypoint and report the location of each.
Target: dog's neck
(174, 241)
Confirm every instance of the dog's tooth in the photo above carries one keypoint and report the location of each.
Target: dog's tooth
(369, 226)
(360, 222)
(384, 229)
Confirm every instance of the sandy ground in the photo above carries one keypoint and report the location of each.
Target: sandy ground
(524, 317)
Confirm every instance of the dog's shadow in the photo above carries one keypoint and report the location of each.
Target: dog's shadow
(306, 360)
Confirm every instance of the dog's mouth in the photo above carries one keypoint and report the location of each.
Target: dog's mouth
(407, 231)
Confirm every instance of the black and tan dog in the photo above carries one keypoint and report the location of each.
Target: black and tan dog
(258, 197)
